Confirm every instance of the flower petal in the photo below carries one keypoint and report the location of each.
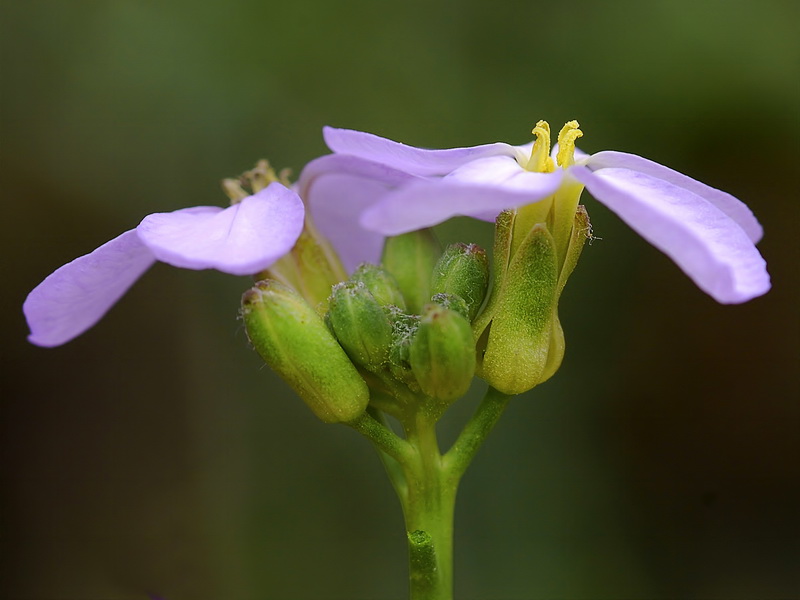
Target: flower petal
(709, 246)
(343, 164)
(428, 203)
(731, 206)
(506, 174)
(417, 161)
(335, 203)
(76, 296)
(241, 240)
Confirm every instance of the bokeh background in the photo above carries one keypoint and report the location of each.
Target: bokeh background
(156, 455)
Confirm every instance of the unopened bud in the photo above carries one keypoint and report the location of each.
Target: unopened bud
(404, 326)
(442, 354)
(381, 284)
(452, 302)
(294, 341)
(410, 257)
(463, 270)
(360, 324)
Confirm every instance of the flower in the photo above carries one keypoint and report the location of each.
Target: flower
(393, 188)
(242, 239)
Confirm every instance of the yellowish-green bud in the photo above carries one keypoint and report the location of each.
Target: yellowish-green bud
(294, 341)
(442, 354)
(410, 257)
(360, 324)
(463, 270)
(381, 284)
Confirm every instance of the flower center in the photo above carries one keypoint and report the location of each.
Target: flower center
(540, 160)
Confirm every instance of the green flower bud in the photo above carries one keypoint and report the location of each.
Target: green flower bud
(520, 339)
(380, 284)
(294, 341)
(410, 257)
(463, 270)
(404, 326)
(442, 354)
(452, 302)
(360, 324)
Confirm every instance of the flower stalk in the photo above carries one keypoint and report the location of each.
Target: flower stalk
(426, 482)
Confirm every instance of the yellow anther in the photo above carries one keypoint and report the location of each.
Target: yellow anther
(566, 144)
(540, 161)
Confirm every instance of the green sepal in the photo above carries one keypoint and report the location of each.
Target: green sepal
(581, 231)
(360, 324)
(295, 342)
(410, 258)
(311, 267)
(463, 270)
(381, 284)
(523, 342)
(503, 232)
(442, 354)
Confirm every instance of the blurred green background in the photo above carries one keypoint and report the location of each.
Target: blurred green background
(155, 454)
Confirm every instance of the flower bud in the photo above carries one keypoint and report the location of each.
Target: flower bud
(452, 302)
(360, 324)
(442, 354)
(410, 257)
(294, 341)
(463, 270)
(381, 284)
(404, 326)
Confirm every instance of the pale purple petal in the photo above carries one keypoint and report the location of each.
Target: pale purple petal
(243, 239)
(74, 297)
(505, 174)
(342, 164)
(417, 161)
(711, 248)
(335, 203)
(428, 203)
(728, 204)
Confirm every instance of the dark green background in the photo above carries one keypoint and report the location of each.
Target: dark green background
(155, 454)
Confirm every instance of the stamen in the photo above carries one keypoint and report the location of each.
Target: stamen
(566, 144)
(540, 161)
(261, 176)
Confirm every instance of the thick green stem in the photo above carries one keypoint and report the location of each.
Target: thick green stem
(428, 508)
(427, 482)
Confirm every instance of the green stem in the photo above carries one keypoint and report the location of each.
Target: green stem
(475, 432)
(394, 469)
(427, 482)
(384, 438)
(428, 509)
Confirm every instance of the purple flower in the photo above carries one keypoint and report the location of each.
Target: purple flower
(373, 187)
(242, 239)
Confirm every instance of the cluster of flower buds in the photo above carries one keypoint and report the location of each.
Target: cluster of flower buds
(413, 332)
(402, 330)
